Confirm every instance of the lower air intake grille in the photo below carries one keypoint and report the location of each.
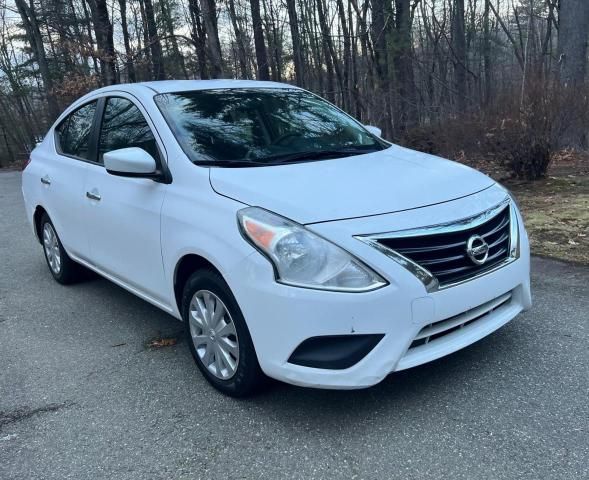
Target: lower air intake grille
(434, 331)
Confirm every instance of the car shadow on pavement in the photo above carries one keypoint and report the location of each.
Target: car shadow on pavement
(417, 393)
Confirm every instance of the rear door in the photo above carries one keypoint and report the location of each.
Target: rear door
(63, 175)
(124, 213)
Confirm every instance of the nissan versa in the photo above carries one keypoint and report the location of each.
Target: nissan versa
(292, 241)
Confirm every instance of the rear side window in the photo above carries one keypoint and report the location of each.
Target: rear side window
(124, 126)
(74, 132)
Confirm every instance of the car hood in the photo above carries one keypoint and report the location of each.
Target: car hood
(387, 181)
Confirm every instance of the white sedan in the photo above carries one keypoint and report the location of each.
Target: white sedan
(292, 241)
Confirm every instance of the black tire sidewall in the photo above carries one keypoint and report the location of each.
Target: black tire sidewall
(69, 269)
(248, 376)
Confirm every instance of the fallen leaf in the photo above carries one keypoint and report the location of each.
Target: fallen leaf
(162, 342)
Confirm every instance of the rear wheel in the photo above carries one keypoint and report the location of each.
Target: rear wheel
(218, 336)
(61, 266)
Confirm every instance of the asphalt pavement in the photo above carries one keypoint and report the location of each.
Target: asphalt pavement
(82, 396)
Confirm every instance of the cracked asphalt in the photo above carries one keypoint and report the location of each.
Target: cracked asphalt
(81, 396)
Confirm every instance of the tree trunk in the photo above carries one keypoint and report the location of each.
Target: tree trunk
(259, 44)
(329, 52)
(274, 47)
(297, 50)
(199, 37)
(209, 14)
(88, 25)
(403, 64)
(381, 21)
(573, 34)
(239, 40)
(459, 47)
(35, 39)
(128, 52)
(347, 74)
(157, 59)
(169, 26)
(104, 38)
(146, 50)
(486, 54)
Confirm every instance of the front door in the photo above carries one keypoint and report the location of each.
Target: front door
(124, 213)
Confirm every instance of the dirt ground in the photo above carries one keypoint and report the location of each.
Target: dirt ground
(556, 209)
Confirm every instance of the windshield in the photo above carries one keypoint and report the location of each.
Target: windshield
(253, 127)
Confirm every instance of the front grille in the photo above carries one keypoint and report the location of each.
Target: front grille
(434, 331)
(444, 254)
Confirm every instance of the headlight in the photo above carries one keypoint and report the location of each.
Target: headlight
(514, 231)
(302, 258)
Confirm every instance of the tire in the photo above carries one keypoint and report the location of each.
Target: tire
(61, 266)
(227, 337)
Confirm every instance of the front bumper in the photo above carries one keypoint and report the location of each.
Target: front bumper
(280, 317)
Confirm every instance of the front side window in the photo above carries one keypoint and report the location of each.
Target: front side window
(243, 127)
(124, 126)
(73, 133)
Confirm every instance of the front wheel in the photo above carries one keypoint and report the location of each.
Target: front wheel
(61, 266)
(218, 336)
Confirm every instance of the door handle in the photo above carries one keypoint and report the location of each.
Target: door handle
(94, 195)
(46, 180)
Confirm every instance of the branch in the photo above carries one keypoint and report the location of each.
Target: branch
(509, 36)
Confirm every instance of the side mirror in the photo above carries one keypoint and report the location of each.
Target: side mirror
(374, 130)
(130, 162)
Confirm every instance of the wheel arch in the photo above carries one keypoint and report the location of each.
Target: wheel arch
(37, 216)
(185, 267)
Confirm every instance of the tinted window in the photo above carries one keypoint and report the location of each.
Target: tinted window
(74, 132)
(259, 124)
(124, 126)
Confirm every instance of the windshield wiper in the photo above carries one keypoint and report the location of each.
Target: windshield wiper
(231, 163)
(287, 158)
(315, 155)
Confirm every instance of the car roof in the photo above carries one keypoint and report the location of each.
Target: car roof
(144, 90)
(168, 86)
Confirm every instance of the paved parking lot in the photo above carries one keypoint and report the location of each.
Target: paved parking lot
(81, 395)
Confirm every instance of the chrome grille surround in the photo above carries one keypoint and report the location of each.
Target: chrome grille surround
(429, 280)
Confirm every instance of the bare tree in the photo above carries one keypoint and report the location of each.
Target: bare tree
(573, 35)
(297, 51)
(260, 45)
(103, 30)
(31, 26)
(403, 64)
(209, 13)
(459, 52)
(240, 40)
(408, 66)
(198, 35)
(153, 40)
(129, 65)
